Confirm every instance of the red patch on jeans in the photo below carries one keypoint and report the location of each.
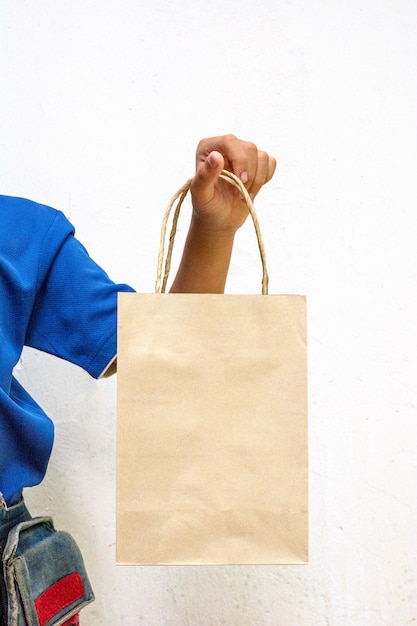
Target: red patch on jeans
(58, 596)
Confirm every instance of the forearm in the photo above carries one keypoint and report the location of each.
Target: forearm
(205, 261)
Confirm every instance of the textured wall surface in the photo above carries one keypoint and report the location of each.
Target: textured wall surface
(102, 105)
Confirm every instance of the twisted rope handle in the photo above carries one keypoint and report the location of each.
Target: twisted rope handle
(161, 280)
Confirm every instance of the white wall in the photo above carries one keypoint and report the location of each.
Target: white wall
(102, 104)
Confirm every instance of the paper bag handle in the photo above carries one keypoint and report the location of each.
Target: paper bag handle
(161, 281)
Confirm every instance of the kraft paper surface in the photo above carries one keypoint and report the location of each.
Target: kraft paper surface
(212, 429)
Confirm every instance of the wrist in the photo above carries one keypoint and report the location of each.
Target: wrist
(210, 234)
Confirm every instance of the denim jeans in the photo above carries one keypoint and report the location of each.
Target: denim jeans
(8, 518)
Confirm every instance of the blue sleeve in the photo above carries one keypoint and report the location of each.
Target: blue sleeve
(75, 312)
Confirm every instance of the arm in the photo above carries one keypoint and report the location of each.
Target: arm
(218, 210)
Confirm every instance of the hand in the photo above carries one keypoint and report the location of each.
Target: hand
(217, 205)
(218, 210)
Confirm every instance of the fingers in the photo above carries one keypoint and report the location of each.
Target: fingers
(265, 169)
(254, 167)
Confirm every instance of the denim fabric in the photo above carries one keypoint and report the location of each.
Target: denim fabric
(44, 574)
(8, 518)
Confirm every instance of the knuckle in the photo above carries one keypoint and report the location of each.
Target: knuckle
(263, 157)
(230, 138)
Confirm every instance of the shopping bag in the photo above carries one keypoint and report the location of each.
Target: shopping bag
(212, 425)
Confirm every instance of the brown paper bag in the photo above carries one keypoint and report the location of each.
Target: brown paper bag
(212, 428)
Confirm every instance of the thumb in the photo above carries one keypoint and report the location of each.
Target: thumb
(207, 174)
(214, 164)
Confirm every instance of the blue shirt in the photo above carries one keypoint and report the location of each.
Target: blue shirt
(54, 298)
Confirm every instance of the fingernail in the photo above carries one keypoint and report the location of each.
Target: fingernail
(211, 161)
(244, 177)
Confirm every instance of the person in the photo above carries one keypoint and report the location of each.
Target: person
(55, 298)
